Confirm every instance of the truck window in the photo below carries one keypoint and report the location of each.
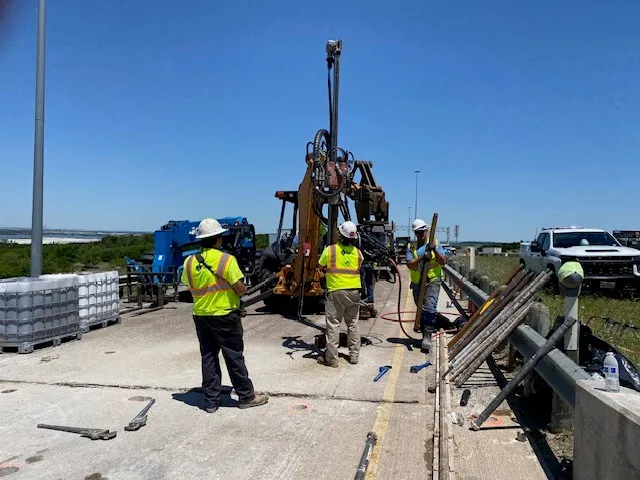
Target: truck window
(545, 241)
(577, 239)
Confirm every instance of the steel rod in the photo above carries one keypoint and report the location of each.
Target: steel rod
(477, 313)
(366, 456)
(549, 345)
(464, 376)
(509, 294)
(477, 349)
(502, 317)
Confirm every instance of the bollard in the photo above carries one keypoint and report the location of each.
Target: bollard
(474, 276)
(464, 271)
(538, 319)
(472, 258)
(485, 284)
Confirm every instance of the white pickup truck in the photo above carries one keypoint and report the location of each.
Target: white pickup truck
(606, 263)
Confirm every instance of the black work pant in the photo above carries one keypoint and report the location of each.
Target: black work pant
(224, 333)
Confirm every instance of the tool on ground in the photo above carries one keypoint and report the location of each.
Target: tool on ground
(141, 419)
(366, 456)
(423, 278)
(549, 345)
(384, 369)
(92, 433)
(465, 397)
(417, 368)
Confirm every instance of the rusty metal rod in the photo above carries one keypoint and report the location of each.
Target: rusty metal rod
(504, 308)
(510, 293)
(520, 317)
(549, 345)
(512, 275)
(477, 347)
(502, 317)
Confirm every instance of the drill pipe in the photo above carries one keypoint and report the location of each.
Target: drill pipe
(528, 292)
(492, 311)
(501, 336)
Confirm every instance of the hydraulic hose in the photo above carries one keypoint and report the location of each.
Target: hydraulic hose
(399, 312)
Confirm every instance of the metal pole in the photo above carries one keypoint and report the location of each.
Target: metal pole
(415, 212)
(409, 227)
(571, 338)
(524, 371)
(38, 150)
(472, 258)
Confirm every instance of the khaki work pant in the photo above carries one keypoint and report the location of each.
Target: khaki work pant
(342, 305)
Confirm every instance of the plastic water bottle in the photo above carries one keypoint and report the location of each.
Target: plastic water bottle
(611, 376)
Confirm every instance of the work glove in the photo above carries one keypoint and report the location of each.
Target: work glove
(431, 247)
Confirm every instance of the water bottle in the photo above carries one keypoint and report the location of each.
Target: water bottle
(611, 377)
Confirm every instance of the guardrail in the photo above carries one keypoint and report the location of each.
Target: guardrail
(559, 371)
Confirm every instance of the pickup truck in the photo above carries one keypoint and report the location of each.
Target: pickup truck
(607, 264)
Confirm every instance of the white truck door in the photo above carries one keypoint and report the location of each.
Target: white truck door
(545, 243)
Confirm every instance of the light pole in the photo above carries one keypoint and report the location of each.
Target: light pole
(415, 211)
(409, 226)
(38, 150)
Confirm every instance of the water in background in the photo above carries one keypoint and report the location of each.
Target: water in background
(23, 235)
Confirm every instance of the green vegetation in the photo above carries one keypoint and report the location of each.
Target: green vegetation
(262, 240)
(592, 307)
(109, 253)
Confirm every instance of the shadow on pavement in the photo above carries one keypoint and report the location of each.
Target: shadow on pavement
(195, 397)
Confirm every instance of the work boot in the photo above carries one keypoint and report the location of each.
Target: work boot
(353, 360)
(211, 409)
(256, 402)
(323, 361)
(425, 346)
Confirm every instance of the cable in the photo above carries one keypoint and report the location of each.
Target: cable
(399, 319)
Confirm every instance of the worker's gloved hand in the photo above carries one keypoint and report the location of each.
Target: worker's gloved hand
(431, 247)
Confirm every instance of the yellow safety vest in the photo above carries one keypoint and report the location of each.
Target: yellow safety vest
(212, 294)
(434, 272)
(343, 267)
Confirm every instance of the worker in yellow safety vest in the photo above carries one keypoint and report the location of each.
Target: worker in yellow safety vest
(342, 262)
(417, 254)
(216, 284)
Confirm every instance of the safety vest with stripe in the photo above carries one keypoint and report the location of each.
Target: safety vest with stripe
(343, 267)
(434, 272)
(212, 294)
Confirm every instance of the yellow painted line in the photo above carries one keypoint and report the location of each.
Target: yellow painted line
(381, 424)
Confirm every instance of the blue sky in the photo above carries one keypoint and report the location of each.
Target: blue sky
(517, 114)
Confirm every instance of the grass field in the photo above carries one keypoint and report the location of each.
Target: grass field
(592, 307)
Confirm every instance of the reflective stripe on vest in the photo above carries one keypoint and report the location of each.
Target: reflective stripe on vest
(341, 274)
(333, 263)
(434, 272)
(219, 284)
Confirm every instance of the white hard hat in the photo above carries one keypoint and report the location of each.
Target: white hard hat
(209, 227)
(418, 224)
(348, 229)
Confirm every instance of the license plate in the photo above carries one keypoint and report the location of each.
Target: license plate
(607, 284)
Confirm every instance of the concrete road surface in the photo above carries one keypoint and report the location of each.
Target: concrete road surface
(314, 425)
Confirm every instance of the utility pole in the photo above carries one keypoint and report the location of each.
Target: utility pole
(38, 150)
(415, 212)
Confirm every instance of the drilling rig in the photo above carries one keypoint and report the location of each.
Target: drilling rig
(290, 265)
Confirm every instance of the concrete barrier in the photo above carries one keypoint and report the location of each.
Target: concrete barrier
(607, 433)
